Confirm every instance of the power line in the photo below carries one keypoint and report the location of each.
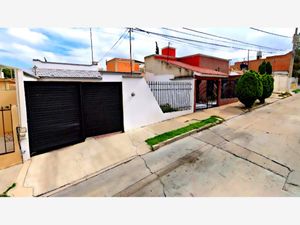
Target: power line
(195, 35)
(280, 35)
(121, 37)
(234, 40)
(193, 40)
(184, 43)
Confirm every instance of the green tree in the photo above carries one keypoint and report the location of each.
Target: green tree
(268, 86)
(269, 68)
(249, 88)
(262, 67)
(296, 68)
(8, 73)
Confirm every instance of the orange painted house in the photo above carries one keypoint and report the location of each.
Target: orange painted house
(123, 65)
(279, 63)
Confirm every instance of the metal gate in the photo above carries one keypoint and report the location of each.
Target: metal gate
(64, 113)
(206, 93)
(6, 131)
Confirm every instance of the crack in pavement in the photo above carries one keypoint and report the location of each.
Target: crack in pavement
(157, 175)
(238, 156)
(281, 164)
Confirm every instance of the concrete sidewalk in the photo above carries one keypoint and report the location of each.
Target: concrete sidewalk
(68, 166)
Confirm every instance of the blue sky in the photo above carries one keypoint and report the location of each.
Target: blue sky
(18, 46)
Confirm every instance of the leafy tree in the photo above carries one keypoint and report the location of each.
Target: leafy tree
(249, 88)
(8, 73)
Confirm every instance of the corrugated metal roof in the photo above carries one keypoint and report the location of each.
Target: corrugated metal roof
(66, 73)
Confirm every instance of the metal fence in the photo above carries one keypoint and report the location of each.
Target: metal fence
(172, 96)
(6, 131)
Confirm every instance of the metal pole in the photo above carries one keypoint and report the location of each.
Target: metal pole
(295, 36)
(91, 37)
(130, 30)
(248, 61)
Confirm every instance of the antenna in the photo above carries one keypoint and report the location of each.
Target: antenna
(130, 30)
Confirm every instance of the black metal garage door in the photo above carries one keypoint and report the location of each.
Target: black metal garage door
(103, 111)
(65, 113)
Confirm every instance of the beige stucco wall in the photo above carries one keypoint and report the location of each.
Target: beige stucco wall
(8, 97)
(14, 158)
(158, 67)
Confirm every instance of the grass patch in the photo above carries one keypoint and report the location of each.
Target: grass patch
(170, 134)
(296, 91)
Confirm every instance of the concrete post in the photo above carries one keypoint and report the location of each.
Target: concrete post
(24, 141)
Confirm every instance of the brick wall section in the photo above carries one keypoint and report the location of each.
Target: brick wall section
(227, 101)
(214, 64)
(279, 63)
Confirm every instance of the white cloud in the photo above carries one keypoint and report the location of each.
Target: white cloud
(142, 45)
(28, 35)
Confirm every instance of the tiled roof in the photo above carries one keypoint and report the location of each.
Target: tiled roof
(198, 69)
(66, 73)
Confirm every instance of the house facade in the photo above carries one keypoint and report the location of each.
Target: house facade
(280, 63)
(207, 74)
(123, 65)
(77, 101)
(281, 66)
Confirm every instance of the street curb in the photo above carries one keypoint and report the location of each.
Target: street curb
(169, 141)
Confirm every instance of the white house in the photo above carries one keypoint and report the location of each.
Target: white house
(61, 104)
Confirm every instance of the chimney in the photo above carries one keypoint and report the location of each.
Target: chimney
(169, 51)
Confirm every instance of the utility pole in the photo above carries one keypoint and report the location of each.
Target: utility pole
(91, 38)
(130, 30)
(295, 45)
(248, 61)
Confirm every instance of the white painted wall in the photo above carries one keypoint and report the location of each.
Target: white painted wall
(281, 82)
(154, 77)
(142, 109)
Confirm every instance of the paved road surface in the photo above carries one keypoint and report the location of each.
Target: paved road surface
(255, 154)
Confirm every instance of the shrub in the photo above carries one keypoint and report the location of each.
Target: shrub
(268, 68)
(262, 67)
(249, 88)
(167, 108)
(268, 86)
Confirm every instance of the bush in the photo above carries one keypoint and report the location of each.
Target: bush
(269, 68)
(262, 67)
(268, 86)
(249, 88)
(167, 108)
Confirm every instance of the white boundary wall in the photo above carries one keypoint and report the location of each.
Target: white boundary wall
(283, 83)
(140, 107)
